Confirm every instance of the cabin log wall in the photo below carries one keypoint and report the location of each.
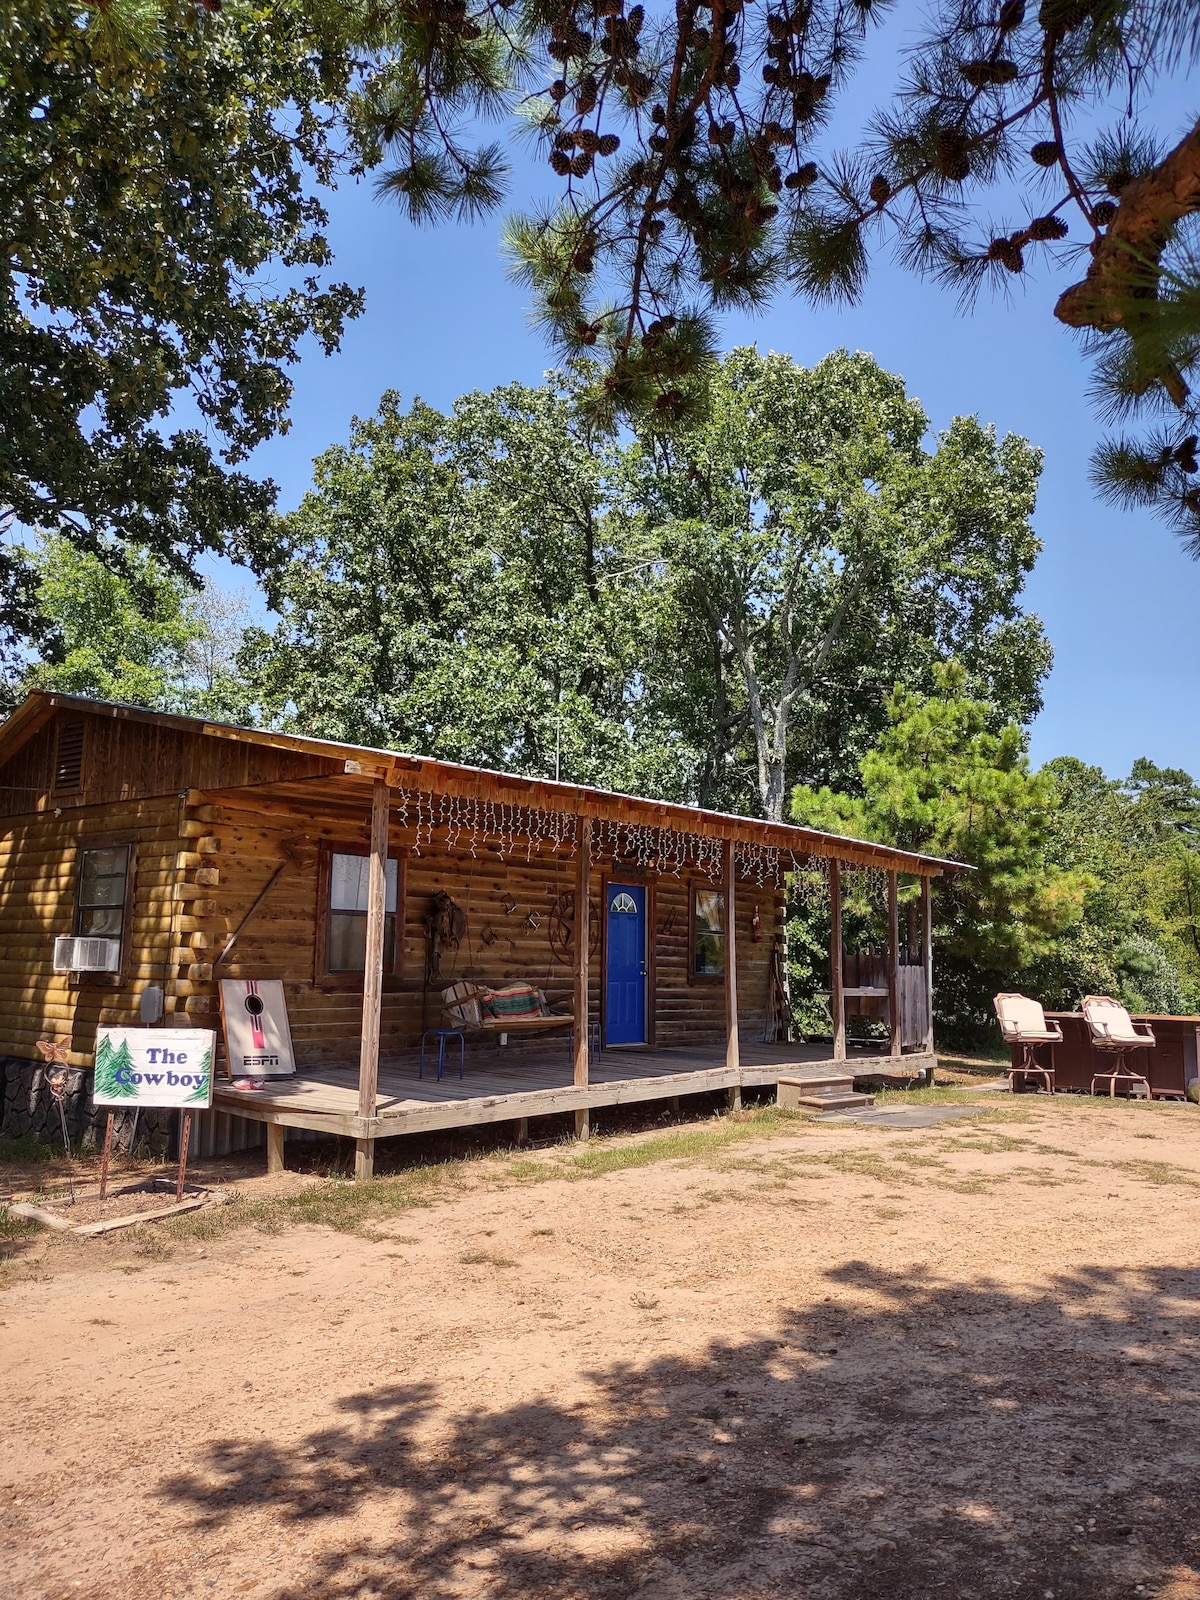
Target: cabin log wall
(37, 902)
(280, 940)
(206, 845)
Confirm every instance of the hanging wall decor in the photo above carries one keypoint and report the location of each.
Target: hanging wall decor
(488, 934)
(445, 929)
(561, 928)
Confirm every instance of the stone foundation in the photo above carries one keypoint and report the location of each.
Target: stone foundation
(27, 1107)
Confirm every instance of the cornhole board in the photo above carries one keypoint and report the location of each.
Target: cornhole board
(258, 1040)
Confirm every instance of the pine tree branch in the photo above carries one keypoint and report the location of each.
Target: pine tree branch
(1126, 261)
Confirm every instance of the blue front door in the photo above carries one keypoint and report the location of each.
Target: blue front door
(625, 971)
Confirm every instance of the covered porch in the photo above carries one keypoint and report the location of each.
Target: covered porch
(513, 1085)
(488, 828)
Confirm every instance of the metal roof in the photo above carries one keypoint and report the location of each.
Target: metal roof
(451, 777)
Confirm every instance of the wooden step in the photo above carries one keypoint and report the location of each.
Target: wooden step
(819, 1082)
(835, 1102)
(796, 1089)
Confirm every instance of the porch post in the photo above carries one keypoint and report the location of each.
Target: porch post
(733, 1056)
(837, 978)
(893, 963)
(368, 1060)
(927, 959)
(583, 883)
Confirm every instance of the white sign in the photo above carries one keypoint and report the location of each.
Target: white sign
(258, 1041)
(154, 1067)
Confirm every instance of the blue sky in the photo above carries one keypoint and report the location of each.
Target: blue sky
(1114, 590)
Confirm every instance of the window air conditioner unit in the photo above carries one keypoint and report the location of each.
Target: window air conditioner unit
(86, 955)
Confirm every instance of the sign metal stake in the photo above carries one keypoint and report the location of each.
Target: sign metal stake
(108, 1127)
(185, 1138)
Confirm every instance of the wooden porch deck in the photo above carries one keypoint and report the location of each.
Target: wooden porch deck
(511, 1084)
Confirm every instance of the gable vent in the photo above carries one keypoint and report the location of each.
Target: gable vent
(68, 757)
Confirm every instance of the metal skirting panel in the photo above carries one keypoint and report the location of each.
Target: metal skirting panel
(221, 1133)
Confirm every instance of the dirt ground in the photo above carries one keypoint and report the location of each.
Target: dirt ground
(816, 1361)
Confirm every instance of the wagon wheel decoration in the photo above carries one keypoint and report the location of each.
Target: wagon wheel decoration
(561, 927)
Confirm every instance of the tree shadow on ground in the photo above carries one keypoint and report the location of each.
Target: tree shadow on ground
(900, 1438)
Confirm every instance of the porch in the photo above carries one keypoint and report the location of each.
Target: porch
(515, 1085)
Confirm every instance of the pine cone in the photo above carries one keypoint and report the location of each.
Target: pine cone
(1047, 228)
(804, 178)
(1008, 253)
(561, 162)
(609, 144)
(1012, 15)
(1103, 214)
(880, 190)
(1045, 153)
(981, 74)
(1065, 14)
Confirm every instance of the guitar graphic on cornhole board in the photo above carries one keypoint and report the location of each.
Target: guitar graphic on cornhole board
(258, 1040)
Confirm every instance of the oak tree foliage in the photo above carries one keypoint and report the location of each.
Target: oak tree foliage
(704, 615)
(163, 245)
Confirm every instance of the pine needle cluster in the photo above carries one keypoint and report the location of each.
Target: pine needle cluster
(687, 142)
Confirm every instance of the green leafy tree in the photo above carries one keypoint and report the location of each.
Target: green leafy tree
(1135, 839)
(143, 639)
(943, 781)
(821, 554)
(452, 587)
(506, 584)
(162, 245)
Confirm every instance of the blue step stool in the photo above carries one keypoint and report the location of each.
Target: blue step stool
(441, 1035)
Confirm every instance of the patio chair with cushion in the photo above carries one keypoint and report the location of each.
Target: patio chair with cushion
(1113, 1030)
(1023, 1022)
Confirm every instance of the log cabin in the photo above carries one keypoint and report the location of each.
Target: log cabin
(174, 852)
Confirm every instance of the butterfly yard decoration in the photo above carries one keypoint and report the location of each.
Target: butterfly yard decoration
(55, 1053)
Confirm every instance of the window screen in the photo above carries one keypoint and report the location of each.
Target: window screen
(349, 877)
(708, 933)
(100, 894)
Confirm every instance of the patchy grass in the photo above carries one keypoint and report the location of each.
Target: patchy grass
(28, 1148)
(351, 1207)
(955, 1094)
(1157, 1172)
(485, 1258)
(699, 1143)
(15, 1227)
(336, 1203)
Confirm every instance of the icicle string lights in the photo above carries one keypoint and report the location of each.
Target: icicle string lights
(467, 823)
(464, 823)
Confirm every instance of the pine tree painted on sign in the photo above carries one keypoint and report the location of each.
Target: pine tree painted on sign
(110, 1060)
(199, 1095)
